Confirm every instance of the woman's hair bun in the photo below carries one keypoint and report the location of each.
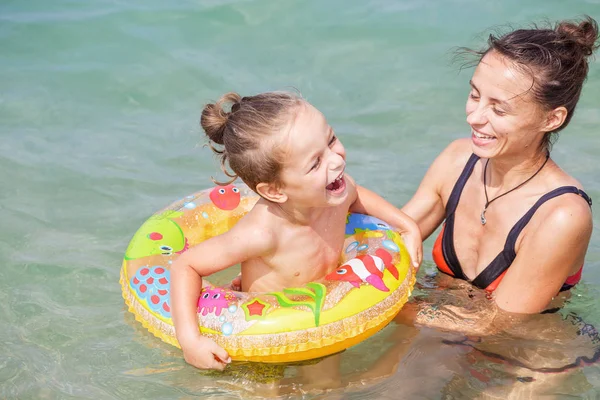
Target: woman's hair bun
(584, 33)
(214, 117)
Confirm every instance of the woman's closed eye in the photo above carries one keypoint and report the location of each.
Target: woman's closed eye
(499, 112)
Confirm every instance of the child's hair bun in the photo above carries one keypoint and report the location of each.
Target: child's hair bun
(215, 117)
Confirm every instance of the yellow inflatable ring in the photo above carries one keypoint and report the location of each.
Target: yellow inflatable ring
(373, 282)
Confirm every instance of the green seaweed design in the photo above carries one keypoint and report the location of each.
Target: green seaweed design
(315, 291)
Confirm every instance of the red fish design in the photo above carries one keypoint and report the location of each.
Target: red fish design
(366, 268)
(225, 197)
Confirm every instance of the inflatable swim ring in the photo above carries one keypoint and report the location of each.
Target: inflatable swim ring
(372, 283)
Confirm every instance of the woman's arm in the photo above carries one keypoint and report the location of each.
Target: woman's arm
(426, 207)
(552, 248)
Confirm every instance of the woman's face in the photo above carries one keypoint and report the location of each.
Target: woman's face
(503, 115)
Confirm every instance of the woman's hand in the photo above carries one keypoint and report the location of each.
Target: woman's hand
(370, 203)
(414, 244)
(204, 353)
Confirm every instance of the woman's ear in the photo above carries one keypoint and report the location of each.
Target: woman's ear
(555, 119)
(271, 192)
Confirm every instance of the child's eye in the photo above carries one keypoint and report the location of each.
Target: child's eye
(316, 164)
(473, 96)
(332, 140)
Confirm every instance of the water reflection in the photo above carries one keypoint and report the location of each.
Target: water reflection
(500, 356)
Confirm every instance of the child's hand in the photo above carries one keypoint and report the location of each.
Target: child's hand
(414, 244)
(236, 283)
(204, 353)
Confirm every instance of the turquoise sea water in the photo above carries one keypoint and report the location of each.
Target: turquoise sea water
(99, 109)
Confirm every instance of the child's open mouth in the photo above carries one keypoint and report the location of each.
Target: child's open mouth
(338, 186)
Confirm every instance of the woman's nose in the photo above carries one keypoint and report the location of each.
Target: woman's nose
(476, 116)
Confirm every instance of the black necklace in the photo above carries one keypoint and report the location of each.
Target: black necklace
(488, 202)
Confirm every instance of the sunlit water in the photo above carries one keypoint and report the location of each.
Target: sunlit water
(99, 109)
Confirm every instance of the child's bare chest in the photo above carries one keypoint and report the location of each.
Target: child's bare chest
(310, 252)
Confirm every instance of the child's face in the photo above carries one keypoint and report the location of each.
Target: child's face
(313, 174)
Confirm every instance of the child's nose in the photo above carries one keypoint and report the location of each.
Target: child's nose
(339, 149)
(337, 162)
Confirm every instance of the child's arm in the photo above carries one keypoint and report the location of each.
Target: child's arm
(241, 243)
(370, 203)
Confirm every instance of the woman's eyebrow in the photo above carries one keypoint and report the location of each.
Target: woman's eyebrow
(503, 103)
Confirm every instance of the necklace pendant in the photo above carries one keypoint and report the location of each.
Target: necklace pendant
(483, 220)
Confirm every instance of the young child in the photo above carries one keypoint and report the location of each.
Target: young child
(284, 150)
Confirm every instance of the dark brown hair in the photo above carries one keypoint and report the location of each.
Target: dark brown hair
(555, 57)
(245, 128)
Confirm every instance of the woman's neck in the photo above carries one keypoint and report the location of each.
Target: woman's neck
(507, 172)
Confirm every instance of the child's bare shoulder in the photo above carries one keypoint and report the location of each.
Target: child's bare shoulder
(258, 228)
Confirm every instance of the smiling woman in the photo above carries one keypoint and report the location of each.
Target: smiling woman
(515, 223)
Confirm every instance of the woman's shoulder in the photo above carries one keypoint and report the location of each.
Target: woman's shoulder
(460, 146)
(564, 222)
(559, 177)
(455, 155)
(575, 199)
(569, 209)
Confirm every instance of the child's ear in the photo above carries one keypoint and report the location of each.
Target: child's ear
(271, 192)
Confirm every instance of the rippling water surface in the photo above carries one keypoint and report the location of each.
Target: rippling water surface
(99, 109)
